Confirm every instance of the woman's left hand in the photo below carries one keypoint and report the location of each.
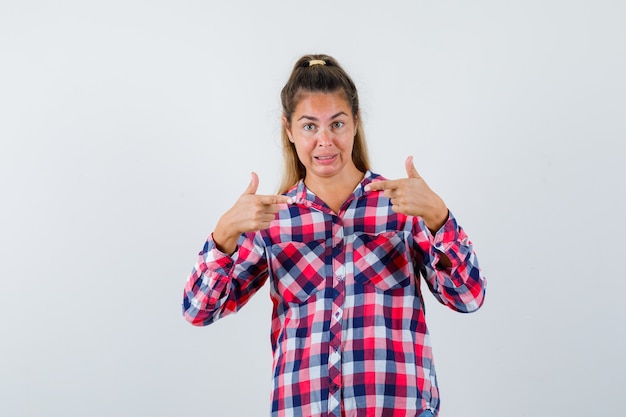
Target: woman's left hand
(413, 197)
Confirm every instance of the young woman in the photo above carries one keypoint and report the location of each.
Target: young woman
(343, 249)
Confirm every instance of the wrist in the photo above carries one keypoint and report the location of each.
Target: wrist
(436, 221)
(225, 239)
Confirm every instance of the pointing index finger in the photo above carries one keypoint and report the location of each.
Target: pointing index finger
(276, 199)
(377, 186)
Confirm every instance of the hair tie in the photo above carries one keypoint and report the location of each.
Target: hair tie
(316, 62)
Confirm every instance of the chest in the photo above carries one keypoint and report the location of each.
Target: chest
(311, 249)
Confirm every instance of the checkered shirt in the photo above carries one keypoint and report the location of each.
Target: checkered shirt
(348, 330)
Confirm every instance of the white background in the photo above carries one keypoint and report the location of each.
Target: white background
(128, 127)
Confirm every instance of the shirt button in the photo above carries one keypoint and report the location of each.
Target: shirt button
(340, 277)
(338, 314)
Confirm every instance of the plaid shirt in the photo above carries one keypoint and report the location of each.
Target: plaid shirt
(348, 329)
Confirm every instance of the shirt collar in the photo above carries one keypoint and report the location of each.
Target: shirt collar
(304, 196)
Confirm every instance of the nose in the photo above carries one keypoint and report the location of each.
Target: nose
(324, 138)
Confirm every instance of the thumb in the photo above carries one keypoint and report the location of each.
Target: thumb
(254, 184)
(411, 172)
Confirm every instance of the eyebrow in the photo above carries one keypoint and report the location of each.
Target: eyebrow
(315, 119)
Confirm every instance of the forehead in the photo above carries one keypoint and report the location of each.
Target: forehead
(321, 104)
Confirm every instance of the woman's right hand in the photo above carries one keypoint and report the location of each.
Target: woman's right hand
(250, 213)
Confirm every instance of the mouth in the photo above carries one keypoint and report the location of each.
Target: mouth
(325, 158)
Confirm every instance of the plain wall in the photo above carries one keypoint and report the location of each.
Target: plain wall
(128, 127)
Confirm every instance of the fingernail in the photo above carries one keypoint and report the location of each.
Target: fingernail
(366, 188)
(290, 200)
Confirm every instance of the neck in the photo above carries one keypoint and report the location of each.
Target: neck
(332, 190)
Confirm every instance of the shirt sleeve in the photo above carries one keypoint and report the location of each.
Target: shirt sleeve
(460, 286)
(220, 284)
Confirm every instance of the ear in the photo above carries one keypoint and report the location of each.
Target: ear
(356, 122)
(287, 128)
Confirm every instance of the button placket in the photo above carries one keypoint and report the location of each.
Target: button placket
(340, 273)
(336, 324)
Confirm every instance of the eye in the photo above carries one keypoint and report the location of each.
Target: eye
(309, 126)
(337, 125)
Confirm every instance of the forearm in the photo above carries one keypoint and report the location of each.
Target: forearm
(452, 269)
(206, 287)
(220, 284)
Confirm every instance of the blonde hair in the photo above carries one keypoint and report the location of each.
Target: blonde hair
(317, 73)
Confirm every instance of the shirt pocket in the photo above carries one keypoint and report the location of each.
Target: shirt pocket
(298, 269)
(382, 260)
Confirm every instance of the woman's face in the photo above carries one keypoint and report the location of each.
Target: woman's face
(322, 128)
